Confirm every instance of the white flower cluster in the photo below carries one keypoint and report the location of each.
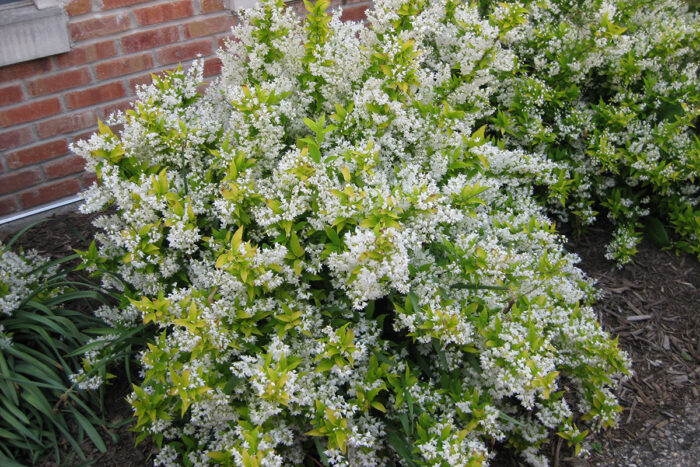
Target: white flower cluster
(337, 257)
(609, 89)
(21, 275)
(5, 339)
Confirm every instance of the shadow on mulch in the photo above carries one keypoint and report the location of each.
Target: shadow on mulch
(652, 305)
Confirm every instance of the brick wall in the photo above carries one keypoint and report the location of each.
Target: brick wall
(48, 103)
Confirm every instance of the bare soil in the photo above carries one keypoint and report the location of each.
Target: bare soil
(652, 305)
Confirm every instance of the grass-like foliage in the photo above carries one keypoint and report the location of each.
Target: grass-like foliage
(344, 243)
(43, 340)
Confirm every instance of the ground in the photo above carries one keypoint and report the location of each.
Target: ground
(653, 305)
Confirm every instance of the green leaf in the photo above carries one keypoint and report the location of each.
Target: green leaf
(9, 435)
(7, 462)
(104, 129)
(324, 365)
(18, 426)
(89, 430)
(237, 239)
(15, 410)
(37, 400)
(508, 418)
(414, 302)
(68, 437)
(333, 236)
(656, 232)
(296, 247)
(7, 388)
(401, 446)
(321, 452)
(379, 406)
(220, 456)
(409, 401)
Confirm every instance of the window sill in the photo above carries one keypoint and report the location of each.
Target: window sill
(27, 32)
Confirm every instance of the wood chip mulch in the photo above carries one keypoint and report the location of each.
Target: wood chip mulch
(653, 306)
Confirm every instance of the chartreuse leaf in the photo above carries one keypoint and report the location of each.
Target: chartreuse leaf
(221, 457)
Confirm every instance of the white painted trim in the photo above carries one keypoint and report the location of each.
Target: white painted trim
(44, 4)
(243, 4)
(27, 32)
(39, 210)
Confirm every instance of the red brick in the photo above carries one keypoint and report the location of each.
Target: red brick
(109, 4)
(11, 95)
(86, 54)
(212, 66)
(183, 52)
(84, 136)
(202, 88)
(78, 7)
(92, 96)
(49, 192)
(66, 124)
(30, 112)
(8, 205)
(139, 80)
(298, 8)
(18, 180)
(59, 82)
(108, 110)
(64, 166)
(88, 179)
(355, 13)
(24, 69)
(222, 41)
(100, 26)
(150, 39)
(208, 26)
(39, 153)
(208, 6)
(124, 66)
(14, 138)
(164, 12)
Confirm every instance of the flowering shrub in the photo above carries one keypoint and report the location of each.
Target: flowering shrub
(610, 90)
(338, 258)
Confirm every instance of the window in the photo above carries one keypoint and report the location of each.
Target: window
(31, 29)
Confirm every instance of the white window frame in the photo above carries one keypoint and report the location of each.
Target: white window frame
(243, 4)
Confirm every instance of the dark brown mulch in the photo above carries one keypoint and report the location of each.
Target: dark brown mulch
(117, 435)
(56, 236)
(653, 306)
